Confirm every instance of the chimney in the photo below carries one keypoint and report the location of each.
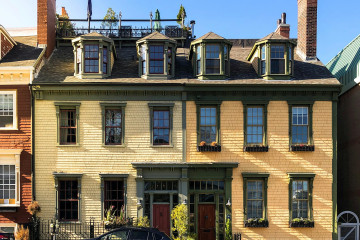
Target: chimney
(46, 20)
(282, 28)
(307, 29)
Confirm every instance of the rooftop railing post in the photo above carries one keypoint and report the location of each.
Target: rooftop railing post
(120, 15)
(89, 24)
(151, 16)
(182, 19)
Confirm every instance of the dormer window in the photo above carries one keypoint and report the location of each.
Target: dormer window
(272, 57)
(156, 54)
(92, 53)
(210, 57)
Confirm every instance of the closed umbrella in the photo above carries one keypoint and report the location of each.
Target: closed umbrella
(157, 25)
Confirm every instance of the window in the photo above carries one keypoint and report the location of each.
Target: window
(212, 59)
(143, 59)
(161, 185)
(8, 110)
(105, 60)
(290, 60)
(226, 59)
(263, 60)
(300, 125)
(208, 124)
(301, 186)
(255, 195)
(277, 59)
(68, 200)
(169, 60)
(156, 59)
(7, 231)
(113, 126)
(68, 118)
(161, 123)
(78, 60)
(91, 58)
(8, 189)
(68, 125)
(198, 60)
(255, 125)
(114, 195)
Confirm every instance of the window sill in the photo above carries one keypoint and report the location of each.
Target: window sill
(256, 224)
(68, 145)
(9, 129)
(302, 148)
(9, 205)
(162, 146)
(207, 148)
(256, 148)
(302, 224)
(113, 146)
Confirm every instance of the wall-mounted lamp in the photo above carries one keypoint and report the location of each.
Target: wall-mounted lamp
(228, 203)
(185, 201)
(139, 204)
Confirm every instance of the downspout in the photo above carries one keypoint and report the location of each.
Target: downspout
(183, 100)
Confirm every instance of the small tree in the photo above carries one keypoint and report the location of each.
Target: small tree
(181, 221)
(228, 233)
(142, 222)
(22, 233)
(180, 15)
(110, 15)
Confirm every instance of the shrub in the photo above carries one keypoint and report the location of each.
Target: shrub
(22, 233)
(180, 217)
(34, 208)
(142, 222)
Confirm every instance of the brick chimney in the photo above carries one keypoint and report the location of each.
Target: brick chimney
(46, 20)
(282, 28)
(64, 13)
(307, 29)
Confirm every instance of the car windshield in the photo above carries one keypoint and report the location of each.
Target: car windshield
(117, 235)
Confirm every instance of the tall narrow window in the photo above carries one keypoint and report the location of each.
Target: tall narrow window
(78, 59)
(114, 195)
(208, 124)
(105, 60)
(7, 110)
(263, 60)
(156, 59)
(143, 59)
(68, 200)
(113, 126)
(300, 199)
(226, 59)
(290, 60)
(169, 60)
(7, 184)
(255, 199)
(68, 125)
(255, 125)
(300, 125)
(161, 127)
(277, 59)
(91, 58)
(198, 60)
(212, 59)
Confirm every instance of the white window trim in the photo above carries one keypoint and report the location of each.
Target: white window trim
(14, 93)
(12, 157)
(14, 225)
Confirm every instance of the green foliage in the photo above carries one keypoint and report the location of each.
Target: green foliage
(64, 25)
(142, 222)
(228, 232)
(179, 215)
(110, 217)
(110, 15)
(179, 15)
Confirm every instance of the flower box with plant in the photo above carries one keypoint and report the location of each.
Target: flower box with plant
(212, 147)
(256, 148)
(302, 148)
(302, 222)
(256, 222)
(111, 220)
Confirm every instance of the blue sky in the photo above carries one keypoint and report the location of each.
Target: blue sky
(338, 21)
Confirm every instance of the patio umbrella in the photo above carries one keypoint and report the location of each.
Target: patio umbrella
(157, 25)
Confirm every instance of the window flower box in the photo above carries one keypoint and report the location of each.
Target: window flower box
(256, 223)
(256, 148)
(302, 223)
(302, 148)
(208, 148)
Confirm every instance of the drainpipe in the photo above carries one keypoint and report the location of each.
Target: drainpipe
(32, 143)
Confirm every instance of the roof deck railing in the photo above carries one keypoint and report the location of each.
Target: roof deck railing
(67, 29)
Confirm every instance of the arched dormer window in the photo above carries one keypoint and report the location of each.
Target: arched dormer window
(210, 56)
(272, 57)
(156, 53)
(94, 56)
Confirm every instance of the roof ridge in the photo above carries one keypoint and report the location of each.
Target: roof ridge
(342, 50)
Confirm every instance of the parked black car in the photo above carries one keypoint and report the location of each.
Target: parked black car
(133, 233)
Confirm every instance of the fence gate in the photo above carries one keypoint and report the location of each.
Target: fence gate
(348, 226)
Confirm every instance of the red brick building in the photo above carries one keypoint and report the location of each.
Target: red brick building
(20, 61)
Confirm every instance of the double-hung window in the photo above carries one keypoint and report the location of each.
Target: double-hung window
(255, 125)
(8, 110)
(198, 60)
(68, 123)
(208, 124)
(156, 59)
(113, 115)
(212, 59)
(92, 58)
(255, 195)
(161, 123)
(68, 200)
(263, 60)
(105, 60)
(114, 195)
(277, 59)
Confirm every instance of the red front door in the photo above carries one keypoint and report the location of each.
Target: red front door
(206, 222)
(161, 217)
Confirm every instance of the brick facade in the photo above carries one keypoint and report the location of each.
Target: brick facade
(5, 44)
(20, 139)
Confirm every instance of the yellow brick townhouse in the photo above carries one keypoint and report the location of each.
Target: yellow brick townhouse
(236, 129)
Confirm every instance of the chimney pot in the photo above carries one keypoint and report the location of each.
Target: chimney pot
(282, 28)
(283, 18)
